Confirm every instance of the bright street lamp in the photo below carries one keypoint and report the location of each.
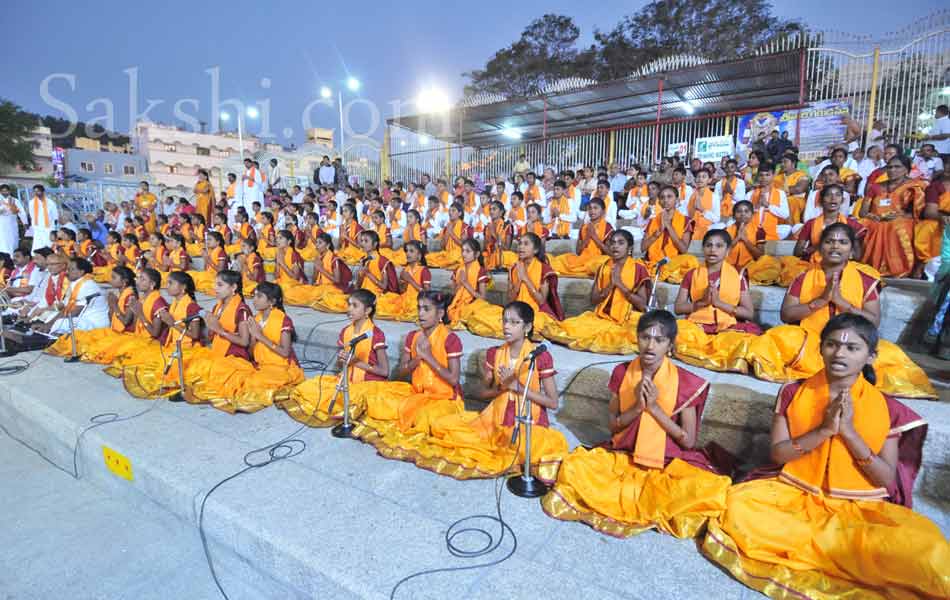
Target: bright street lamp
(325, 92)
(252, 113)
(432, 100)
(353, 83)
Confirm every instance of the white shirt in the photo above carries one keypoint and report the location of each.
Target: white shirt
(712, 215)
(941, 126)
(738, 191)
(274, 176)
(95, 312)
(37, 216)
(327, 175)
(298, 198)
(927, 166)
(10, 203)
(617, 182)
(813, 207)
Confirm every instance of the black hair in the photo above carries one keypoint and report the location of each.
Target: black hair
(81, 263)
(842, 227)
(287, 235)
(717, 233)
(626, 235)
(598, 202)
(663, 188)
(420, 247)
(827, 190)
(232, 277)
(216, 235)
(664, 319)
(200, 217)
(538, 246)
(69, 233)
(177, 237)
(745, 203)
(500, 206)
(475, 247)
(126, 275)
(767, 166)
(865, 330)
(367, 299)
(524, 312)
(275, 294)
(185, 280)
(131, 237)
(86, 232)
(158, 235)
(373, 237)
(440, 300)
(44, 252)
(326, 238)
(6, 261)
(154, 275)
(903, 160)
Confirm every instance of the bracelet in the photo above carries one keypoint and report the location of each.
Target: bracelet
(797, 447)
(864, 462)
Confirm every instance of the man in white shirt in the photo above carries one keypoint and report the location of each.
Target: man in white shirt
(940, 132)
(252, 183)
(522, 166)
(82, 301)
(44, 216)
(429, 188)
(326, 173)
(297, 196)
(927, 161)
(38, 280)
(617, 181)
(22, 279)
(11, 211)
(273, 176)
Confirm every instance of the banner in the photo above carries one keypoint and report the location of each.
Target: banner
(678, 148)
(712, 149)
(823, 124)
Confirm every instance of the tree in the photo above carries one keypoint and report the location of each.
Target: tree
(716, 29)
(545, 53)
(16, 129)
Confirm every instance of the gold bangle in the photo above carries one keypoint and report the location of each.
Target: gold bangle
(797, 447)
(863, 462)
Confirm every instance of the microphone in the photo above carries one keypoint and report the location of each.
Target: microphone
(91, 297)
(186, 320)
(360, 338)
(660, 263)
(538, 350)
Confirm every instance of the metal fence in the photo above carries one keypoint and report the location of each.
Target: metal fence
(897, 78)
(87, 196)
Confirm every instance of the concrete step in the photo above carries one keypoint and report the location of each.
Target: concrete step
(335, 521)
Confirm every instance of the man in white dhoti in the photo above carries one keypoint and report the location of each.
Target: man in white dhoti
(251, 190)
(11, 211)
(44, 216)
(22, 278)
(82, 300)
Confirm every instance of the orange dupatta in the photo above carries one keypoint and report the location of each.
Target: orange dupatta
(562, 228)
(424, 378)
(664, 246)
(227, 317)
(766, 219)
(520, 364)
(830, 468)
(272, 329)
(620, 307)
(650, 449)
(147, 306)
(813, 285)
(362, 351)
(74, 292)
(739, 256)
(121, 305)
(730, 289)
(36, 211)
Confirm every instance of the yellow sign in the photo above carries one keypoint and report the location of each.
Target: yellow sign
(117, 463)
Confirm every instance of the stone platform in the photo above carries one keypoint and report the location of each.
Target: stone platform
(339, 521)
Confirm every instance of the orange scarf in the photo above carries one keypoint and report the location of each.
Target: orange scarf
(179, 312)
(362, 351)
(227, 317)
(216, 256)
(147, 308)
(36, 211)
(251, 176)
(326, 262)
(534, 269)
(272, 329)
(650, 448)
(74, 292)
(664, 246)
(424, 378)
(765, 218)
(121, 305)
(448, 244)
(730, 289)
(620, 307)
(813, 285)
(518, 213)
(520, 364)
(830, 468)
(739, 256)
(562, 227)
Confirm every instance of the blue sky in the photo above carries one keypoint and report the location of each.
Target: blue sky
(394, 49)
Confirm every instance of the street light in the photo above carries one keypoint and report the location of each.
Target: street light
(432, 100)
(325, 92)
(353, 84)
(251, 112)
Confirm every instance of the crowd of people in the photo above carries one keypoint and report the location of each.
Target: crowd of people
(844, 449)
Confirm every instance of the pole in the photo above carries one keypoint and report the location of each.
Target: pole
(525, 485)
(872, 103)
(656, 131)
(384, 166)
(613, 144)
(342, 151)
(240, 119)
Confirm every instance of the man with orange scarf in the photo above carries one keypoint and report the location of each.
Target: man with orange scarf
(44, 216)
(561, 211)
(81, 300)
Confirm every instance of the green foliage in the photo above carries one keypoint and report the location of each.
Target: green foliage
(547, 49)
(16, 126)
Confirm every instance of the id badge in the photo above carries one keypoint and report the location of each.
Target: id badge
(884, 202)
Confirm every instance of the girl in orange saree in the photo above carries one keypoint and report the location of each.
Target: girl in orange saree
(378, 275)
(349, 245)
(310, 401)
(469, 283)
(91, 343)
(591, 250)
(414, 279)
(668, 236)
(620, 294)
(215, 260)
(204, 196)
(113, 251)
(836, 285)
(889, 212)
(498, 236)
(833, 520)
(530, 280)
(453, 234)
(648, 475)
(251, 265)
(267, 241)
(331, 275)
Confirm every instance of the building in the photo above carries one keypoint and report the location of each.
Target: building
(173, 156)
(42, 140)
(95, 165)
(84, 143)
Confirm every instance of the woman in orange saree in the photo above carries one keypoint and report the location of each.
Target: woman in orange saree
(715, 300)
(469, 283)
(620, 294)
(195, 235)
(245, 386)
(215, 260)
(591, 250)
(250, 265)
(310, 402)
(668, 236)
(91, 343)
(648, 476)
(469, 444)
(243, 231)
(267, 241)
(349, 245)
(498, 236)
(836, 285)
(204, 196)
(378, 275)
(454, 233)
(833, 520)
(330, 275)
(889, 212)
(414, 279)
(112, 253)
(530, 280)
(152, 372)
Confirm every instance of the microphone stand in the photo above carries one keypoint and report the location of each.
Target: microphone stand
(651, 301)
(178, 396)
(3, 335)
(525, 485)
(74, 356)
(344, 429)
